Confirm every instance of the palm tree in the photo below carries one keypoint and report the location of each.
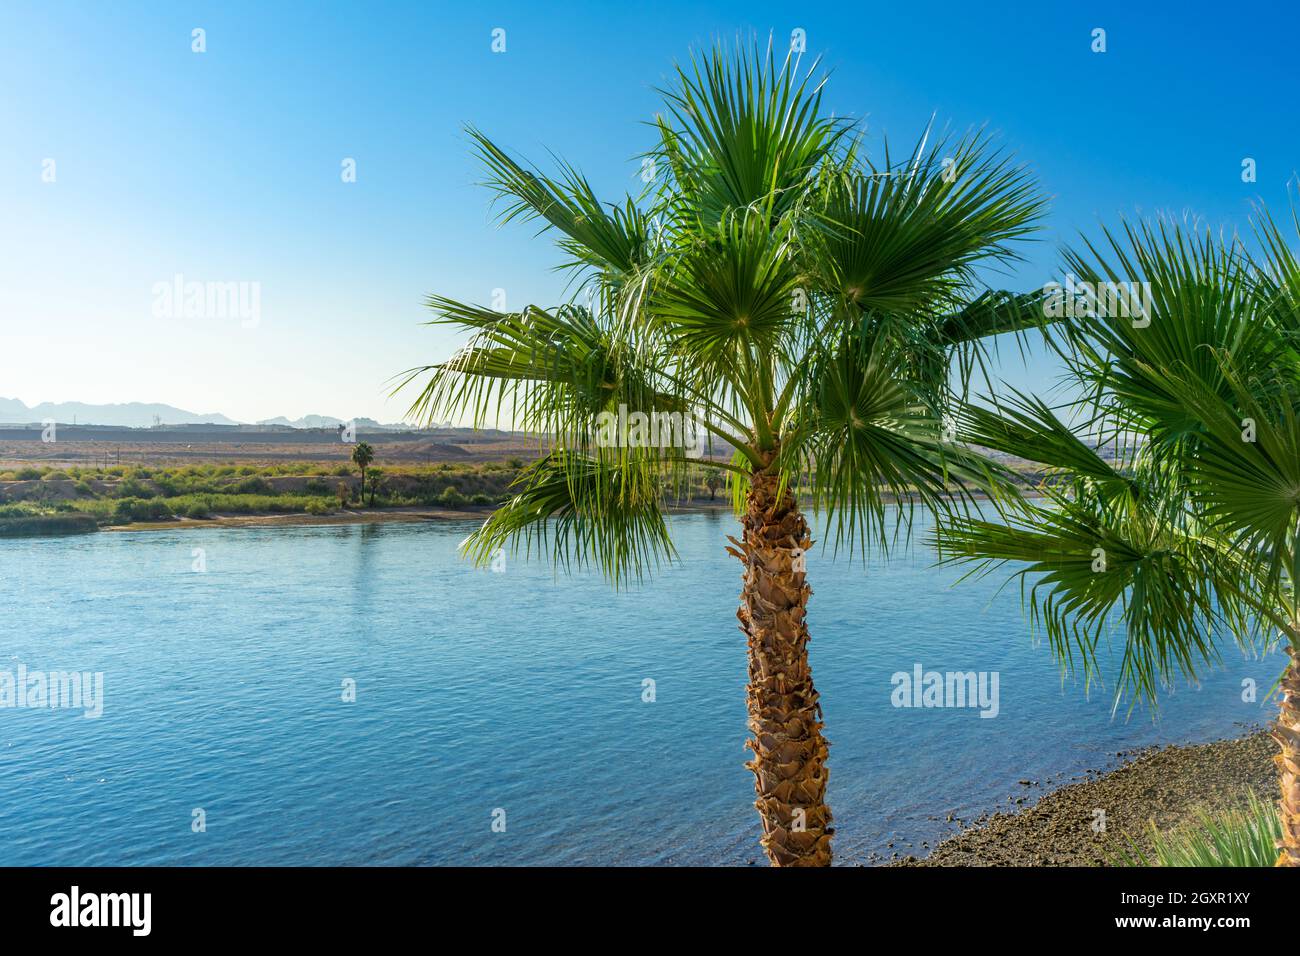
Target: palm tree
(363, 455)
(1191, 531)
(786, 296)
(713, 480)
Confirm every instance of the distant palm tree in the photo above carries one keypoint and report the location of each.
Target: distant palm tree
(376, 482)
(713, 480)
(799, 303)
(363, 455)
(1192, 529)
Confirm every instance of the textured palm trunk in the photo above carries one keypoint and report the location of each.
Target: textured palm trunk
(789, 762)
(1287, 735)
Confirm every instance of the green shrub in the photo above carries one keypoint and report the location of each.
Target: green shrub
(83, 488)
(317, 487)
(129, 510)
(28, 474)
(41, 525)
(451, 497)
(252, 486)
(55, 475)
(197, 510)
(132, 488)
(318, 507)
(168, 487)
(480, 499)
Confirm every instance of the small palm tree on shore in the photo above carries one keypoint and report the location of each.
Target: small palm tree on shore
(1191, 531)
(713, 480)
(792, 299)
(362, 456)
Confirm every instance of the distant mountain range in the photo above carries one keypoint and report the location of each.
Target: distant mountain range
(145, 415)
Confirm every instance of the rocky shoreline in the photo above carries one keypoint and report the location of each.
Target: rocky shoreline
(1163, 784)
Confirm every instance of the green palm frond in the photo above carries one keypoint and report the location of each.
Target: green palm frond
(1027, 427)
(1277, 277)
(993, 313)
(1245, 476)
(866, 440)
(974, 331)
(742, 132)
(1189, 537)
(581, 511)
(1202, 302)
(1242, 835)
(616, 238)
(905, 238)
(554, 370)
(729, 293)
(1085, 568)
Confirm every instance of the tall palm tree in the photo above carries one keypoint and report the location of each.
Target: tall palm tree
(363, 455)
(793, 300)
(1190, 532)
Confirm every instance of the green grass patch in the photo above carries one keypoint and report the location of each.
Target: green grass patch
(1245, 835)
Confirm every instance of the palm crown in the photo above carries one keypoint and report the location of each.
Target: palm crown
(1188, 536)
(802, 304)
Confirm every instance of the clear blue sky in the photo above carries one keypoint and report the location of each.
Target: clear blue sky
(225, 166)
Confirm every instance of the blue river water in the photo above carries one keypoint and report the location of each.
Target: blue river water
(501, 717)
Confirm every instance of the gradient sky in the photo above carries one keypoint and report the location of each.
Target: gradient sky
(225, 165)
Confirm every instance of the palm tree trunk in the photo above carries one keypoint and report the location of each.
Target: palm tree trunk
(789, 762)
(1287, 735)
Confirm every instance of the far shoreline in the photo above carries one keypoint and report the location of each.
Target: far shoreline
(360, 516)
(272, 519)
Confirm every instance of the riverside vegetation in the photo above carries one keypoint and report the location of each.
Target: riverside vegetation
(70, 500)
(61, 500)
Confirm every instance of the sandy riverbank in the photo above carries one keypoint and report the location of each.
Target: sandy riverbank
(1163, 784)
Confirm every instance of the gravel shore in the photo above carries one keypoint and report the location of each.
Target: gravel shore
(1164, 784)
